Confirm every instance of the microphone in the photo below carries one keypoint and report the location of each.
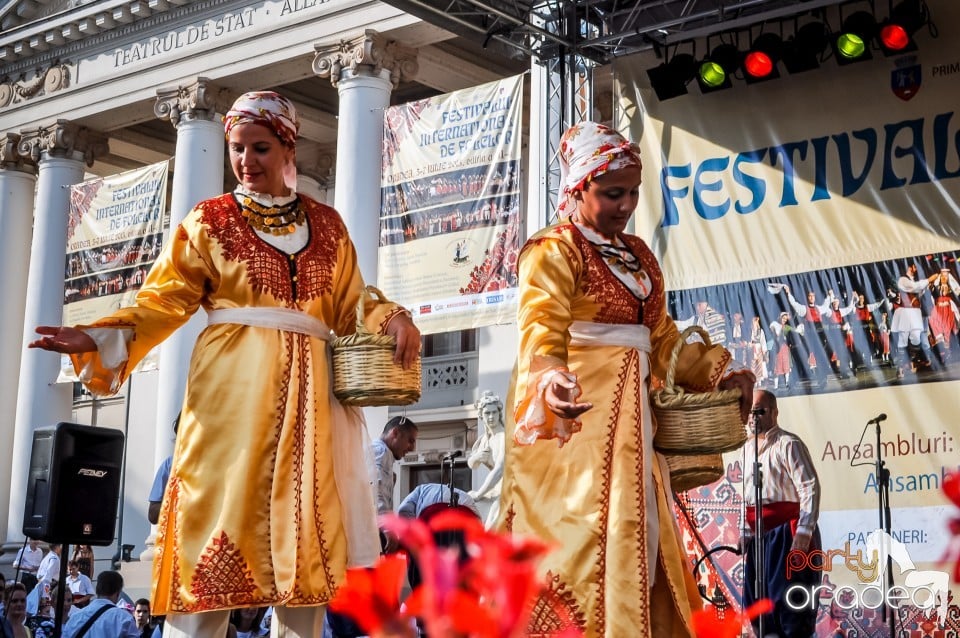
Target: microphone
(880, 417)
(452, 455)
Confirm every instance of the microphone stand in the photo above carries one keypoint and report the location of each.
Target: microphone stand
(759, 582)
(883, 505)
(454, 497)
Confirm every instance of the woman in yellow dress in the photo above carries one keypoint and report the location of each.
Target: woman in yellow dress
(266, 460)
(593, 328)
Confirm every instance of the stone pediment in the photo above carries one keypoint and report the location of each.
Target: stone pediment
(19, 12)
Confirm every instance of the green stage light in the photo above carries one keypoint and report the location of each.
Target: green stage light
(853, 42)
(716, 69)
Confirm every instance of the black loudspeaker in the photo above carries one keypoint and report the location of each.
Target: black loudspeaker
(74, 484)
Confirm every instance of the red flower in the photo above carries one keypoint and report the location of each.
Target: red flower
(706, 624)
(371, 595)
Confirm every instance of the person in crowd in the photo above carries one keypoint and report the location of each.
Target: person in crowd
(47, 575)
(581, 473)
(247, 621)
(102, 618)
(838, 333)
(945, 317)
(81, 587)
(160, 479)
(277, 274)
(427, 494)
(49, 569)
(759, 353)
(489, 451)
(867, 346)
(141, 615)
(815, 332)
(43, 624)
(399, 437)
(908, 321)
(15, 610)
(709, 319)
(790, 508)
(27, 562)
(83, 556)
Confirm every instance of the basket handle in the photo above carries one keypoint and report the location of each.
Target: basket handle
(369, 291)
(675, 355)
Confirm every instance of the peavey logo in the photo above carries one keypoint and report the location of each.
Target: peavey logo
(86, 471)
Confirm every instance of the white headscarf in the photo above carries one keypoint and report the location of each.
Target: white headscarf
(588, 150)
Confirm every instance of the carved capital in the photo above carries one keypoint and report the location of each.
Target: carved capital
(197, 101)
(63, 139)
(367, 54)
(11, 158)
(43, 82)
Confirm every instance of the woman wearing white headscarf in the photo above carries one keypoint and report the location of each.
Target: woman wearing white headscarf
(593, 328)
(255, 511)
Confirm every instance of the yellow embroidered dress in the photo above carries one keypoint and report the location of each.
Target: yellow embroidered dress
(251, 515)
(589, 496)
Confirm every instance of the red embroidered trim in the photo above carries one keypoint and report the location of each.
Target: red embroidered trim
(182, 233)
(382, 328)
(268, 269)
(555, 610)
(508, 519)
(223, 577)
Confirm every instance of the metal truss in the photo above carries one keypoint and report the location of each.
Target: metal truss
(596, 30)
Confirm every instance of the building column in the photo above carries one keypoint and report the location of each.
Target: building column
(365, 70)
(197, 175)
(60, 151)
(18, 180)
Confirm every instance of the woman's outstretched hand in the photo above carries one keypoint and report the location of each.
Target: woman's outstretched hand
(560, 397)
(63, 339)
(407, 335)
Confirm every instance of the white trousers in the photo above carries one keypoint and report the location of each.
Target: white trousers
(288, 622)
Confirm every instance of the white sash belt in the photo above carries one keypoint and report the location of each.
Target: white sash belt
(348, 432)
(286, 319)
(587, 333)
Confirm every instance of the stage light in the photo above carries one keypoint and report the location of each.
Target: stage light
(906, 18)
(853, 43)
(760, 62)
(671, 78)
(804, 51)
(716, 69)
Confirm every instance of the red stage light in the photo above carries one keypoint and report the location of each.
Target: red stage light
(894, 37)
(758, 64)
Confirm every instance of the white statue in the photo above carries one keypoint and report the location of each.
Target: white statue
(489, 451)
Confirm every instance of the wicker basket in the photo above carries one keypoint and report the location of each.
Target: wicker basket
(690, 471)
(696, 423)
(364, 373)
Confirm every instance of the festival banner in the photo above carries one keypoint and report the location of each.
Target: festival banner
(450, 212)
(810, 224)
(114, 234)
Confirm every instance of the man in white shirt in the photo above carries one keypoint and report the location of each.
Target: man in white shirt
(49, 569)
(102, 618)
(28, 558)
(80, 586)
(399, 438)
(790, 508)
